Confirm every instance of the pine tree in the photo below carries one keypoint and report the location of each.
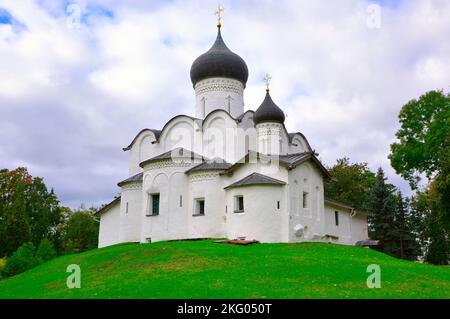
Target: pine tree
(46, 250)
(438, 250)
(382, 212)
(407, 242)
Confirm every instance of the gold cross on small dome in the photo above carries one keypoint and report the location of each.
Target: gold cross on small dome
(218, 13)
(267, 79)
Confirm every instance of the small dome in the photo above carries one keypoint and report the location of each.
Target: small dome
(219, 61)
(268, 112)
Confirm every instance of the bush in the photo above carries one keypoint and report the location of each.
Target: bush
(2, 264)
(22, 260)
(46, 250)
(80, 232)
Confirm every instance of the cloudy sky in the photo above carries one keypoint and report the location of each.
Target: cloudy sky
(75, 91)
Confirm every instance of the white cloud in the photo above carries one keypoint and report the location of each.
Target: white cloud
(70, 99)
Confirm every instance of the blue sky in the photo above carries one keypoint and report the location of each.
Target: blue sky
(75, 96)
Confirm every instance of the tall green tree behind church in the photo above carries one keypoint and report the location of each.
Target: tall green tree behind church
(28, 211)
(382, 205)
(423, 148)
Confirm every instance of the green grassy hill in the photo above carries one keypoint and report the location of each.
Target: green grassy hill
(204, 269)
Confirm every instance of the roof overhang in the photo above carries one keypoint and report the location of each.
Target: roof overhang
(107, 207)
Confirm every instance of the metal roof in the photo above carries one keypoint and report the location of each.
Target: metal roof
(132, 179)
(256, 179)
(268, 111)
(219, 61)
(177, 153)
(106, 207)
(210, 166)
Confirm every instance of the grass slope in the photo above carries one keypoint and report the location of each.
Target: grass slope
(204, 269)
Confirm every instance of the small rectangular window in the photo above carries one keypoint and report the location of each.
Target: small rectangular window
(278, 205)
(305, 200)
(126, 208)
(181, 200)
(200, 206)
(336, 218)
(154, 205)
(239, 204)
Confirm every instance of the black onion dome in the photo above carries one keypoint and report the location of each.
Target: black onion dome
(268, 112)
(219, 61)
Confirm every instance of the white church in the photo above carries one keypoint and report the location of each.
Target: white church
(226, 173)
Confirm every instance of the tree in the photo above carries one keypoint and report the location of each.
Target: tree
(352, 185)
(14, 226)
(80, 232)
(46, 250)
(43, 211)
(438, 249)
(22, 260)
(424, 137)
(28, 212)
(382, 204)
(407, 240)
(423, 147)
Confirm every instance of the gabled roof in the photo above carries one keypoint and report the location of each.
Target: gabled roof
(256, 179)
(289, 161)
(157, 134)
(178, 153)
(210, 166)
(132, 179)
(248, 159)
(337, 203)
(343, 205)
(108, 206)
(292, 160)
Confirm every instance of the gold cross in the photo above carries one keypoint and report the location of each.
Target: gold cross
(218, 13)
(267, 78)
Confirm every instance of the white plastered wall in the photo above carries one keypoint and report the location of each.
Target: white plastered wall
(359, 229)
(130, 212)
(261, 219)
(206, 185)
(350, 229)
(109, 227)
(341, 231)
(141, 150)
(298, 145)
(167, 179)
(219, 93)
(306, 178)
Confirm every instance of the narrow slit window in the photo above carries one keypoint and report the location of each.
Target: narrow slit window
(305, 200)
(336, 218)
(199, 207)
(239, 204)
(154, 205)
